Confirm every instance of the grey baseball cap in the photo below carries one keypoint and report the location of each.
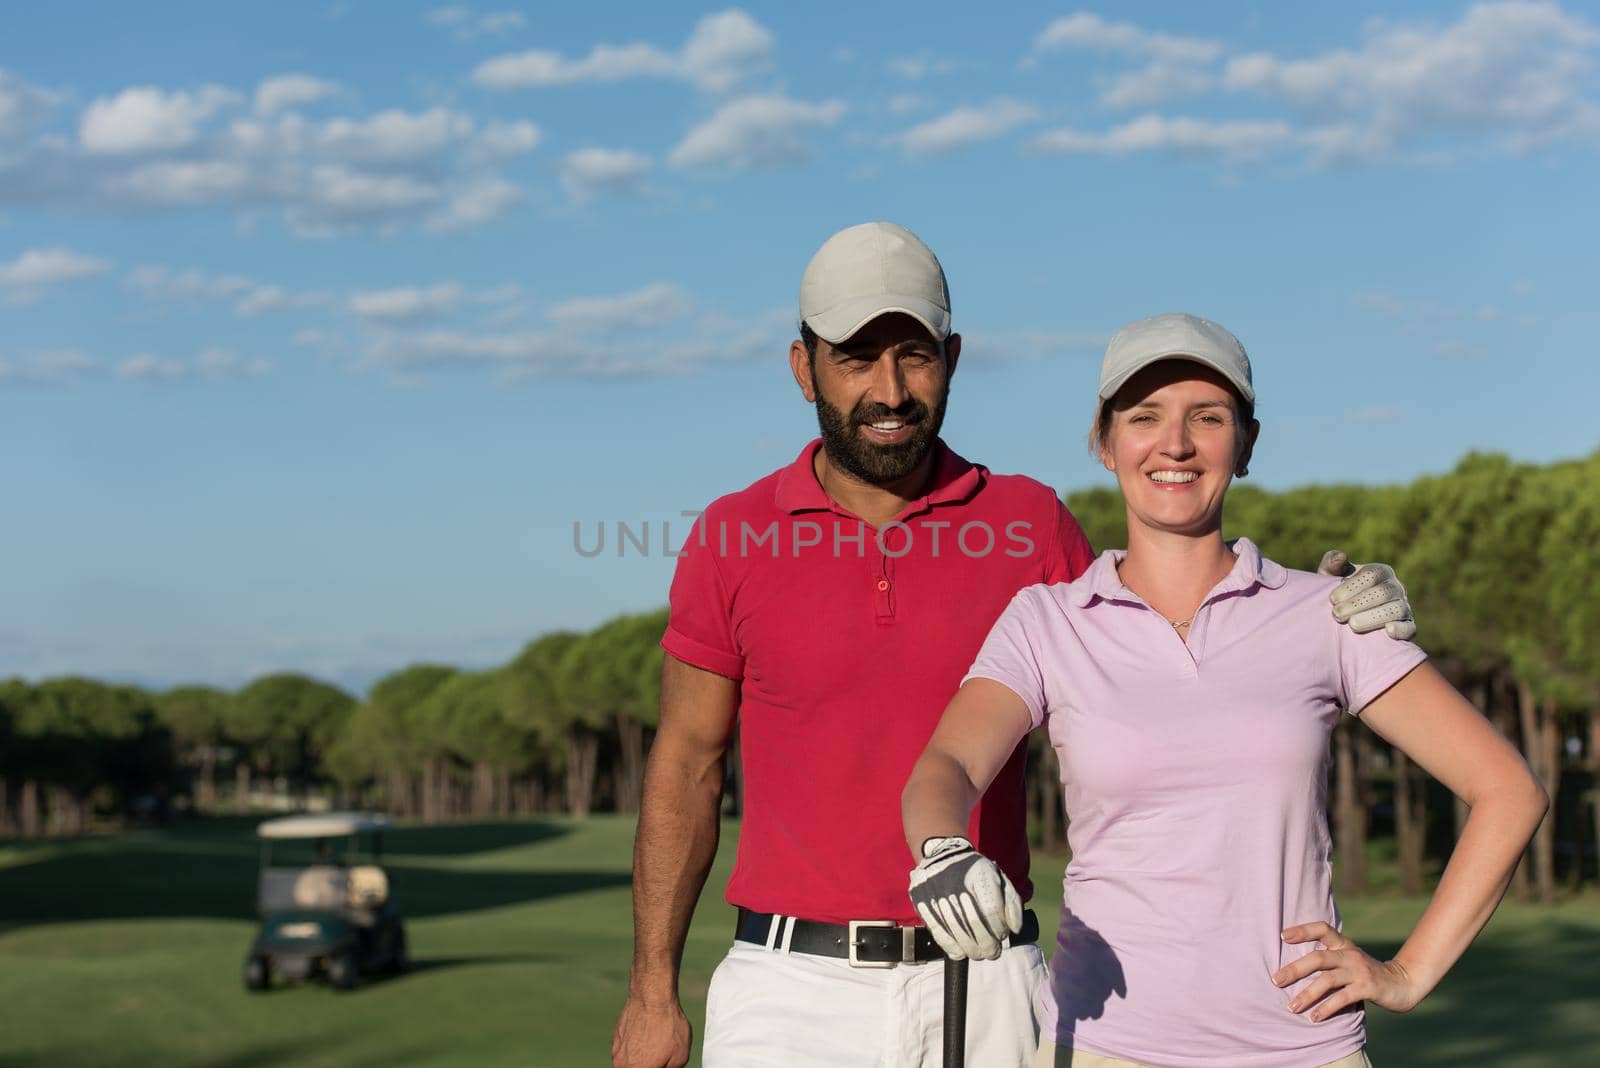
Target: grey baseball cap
(866, 271)
(1174, 335)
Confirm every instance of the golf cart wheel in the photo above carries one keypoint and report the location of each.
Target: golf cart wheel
(343, 973)
(257, 976)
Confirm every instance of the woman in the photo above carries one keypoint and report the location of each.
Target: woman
(1189, 687)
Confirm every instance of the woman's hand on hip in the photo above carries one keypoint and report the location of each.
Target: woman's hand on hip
(1345, 975)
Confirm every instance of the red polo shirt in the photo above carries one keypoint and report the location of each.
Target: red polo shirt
(848, 643)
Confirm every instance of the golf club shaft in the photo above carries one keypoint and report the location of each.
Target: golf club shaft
(955, 1013)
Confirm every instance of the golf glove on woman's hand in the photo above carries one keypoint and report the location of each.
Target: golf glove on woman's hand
(965, 899)
(1369, 597)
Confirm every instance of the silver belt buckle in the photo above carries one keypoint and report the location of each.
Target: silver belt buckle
(857, 962)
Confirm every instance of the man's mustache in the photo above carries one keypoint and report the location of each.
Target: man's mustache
(913, 411)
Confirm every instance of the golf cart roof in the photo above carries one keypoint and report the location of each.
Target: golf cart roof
(324, 825)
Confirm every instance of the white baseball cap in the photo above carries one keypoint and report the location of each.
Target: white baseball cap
(869, 270)
(1174, 335)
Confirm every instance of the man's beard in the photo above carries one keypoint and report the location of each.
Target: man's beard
(880, 464)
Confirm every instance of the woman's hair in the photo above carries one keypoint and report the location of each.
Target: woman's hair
(1243, 410)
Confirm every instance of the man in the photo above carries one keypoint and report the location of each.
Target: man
(832, 607)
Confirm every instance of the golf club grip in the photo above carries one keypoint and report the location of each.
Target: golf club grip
(955, 1013)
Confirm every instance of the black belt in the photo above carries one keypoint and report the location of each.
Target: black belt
(864, 943)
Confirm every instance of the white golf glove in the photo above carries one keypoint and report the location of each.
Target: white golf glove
(965, 899)
(1369, 597)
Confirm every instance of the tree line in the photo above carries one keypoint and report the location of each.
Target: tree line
(1501, 559)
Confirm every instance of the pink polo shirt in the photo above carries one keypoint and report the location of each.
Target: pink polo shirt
(1195, 780)
(847, 643)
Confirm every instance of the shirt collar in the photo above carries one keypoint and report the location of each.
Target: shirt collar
(954, 480)
(1250, 569)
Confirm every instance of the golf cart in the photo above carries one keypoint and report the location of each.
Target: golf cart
(323, 898)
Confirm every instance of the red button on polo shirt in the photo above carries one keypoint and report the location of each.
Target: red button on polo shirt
(840, 689)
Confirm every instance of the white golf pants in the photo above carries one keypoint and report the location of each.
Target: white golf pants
(768, 1009)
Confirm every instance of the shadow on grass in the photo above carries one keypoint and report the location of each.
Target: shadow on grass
(439, 964)
(266, 1055)
(207, 871)
(1514, 994)
(418, 966)
(262, 1056)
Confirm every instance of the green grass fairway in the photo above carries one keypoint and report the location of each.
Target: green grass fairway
(126, 951)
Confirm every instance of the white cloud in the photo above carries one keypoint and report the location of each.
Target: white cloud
(1174, 66)
(223, 363)
(1384, 303)
(60, 367)
(181, 182)
(1153, 83)
(49, 266)
(145, 148)
(71, 366)
(552, 354)
(722, 50)
(312, 337)
(507, 315)
(263, 299)
(157, 281)
(398, 351)
(905, 103)
(654, 330)
(1453, 347)
(454, 15)
(250, 298)
(505, 139)
(655, 306)
(213, 364)
(467, 24)
(388, 168)
(407, 304)
(338, 197)
(505, 303)
(589, 172)
(1022, 346)
(1516, 72)
(388, 138)
(151, 368)
(966, 126)
(475, 204)
(915, 68)
(147, 119)
(22, 106)
(755, 131)
(1508, 76)
(285, 91)
(504, 293)
(395, 136)
(1085, 29)
(1234, 139)
(605, 63)
(1428, 313)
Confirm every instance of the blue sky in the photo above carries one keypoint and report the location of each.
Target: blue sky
(324, 323)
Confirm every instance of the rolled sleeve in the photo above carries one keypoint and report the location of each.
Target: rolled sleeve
(700, 614)
(1371, 663)
(1010, 655)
